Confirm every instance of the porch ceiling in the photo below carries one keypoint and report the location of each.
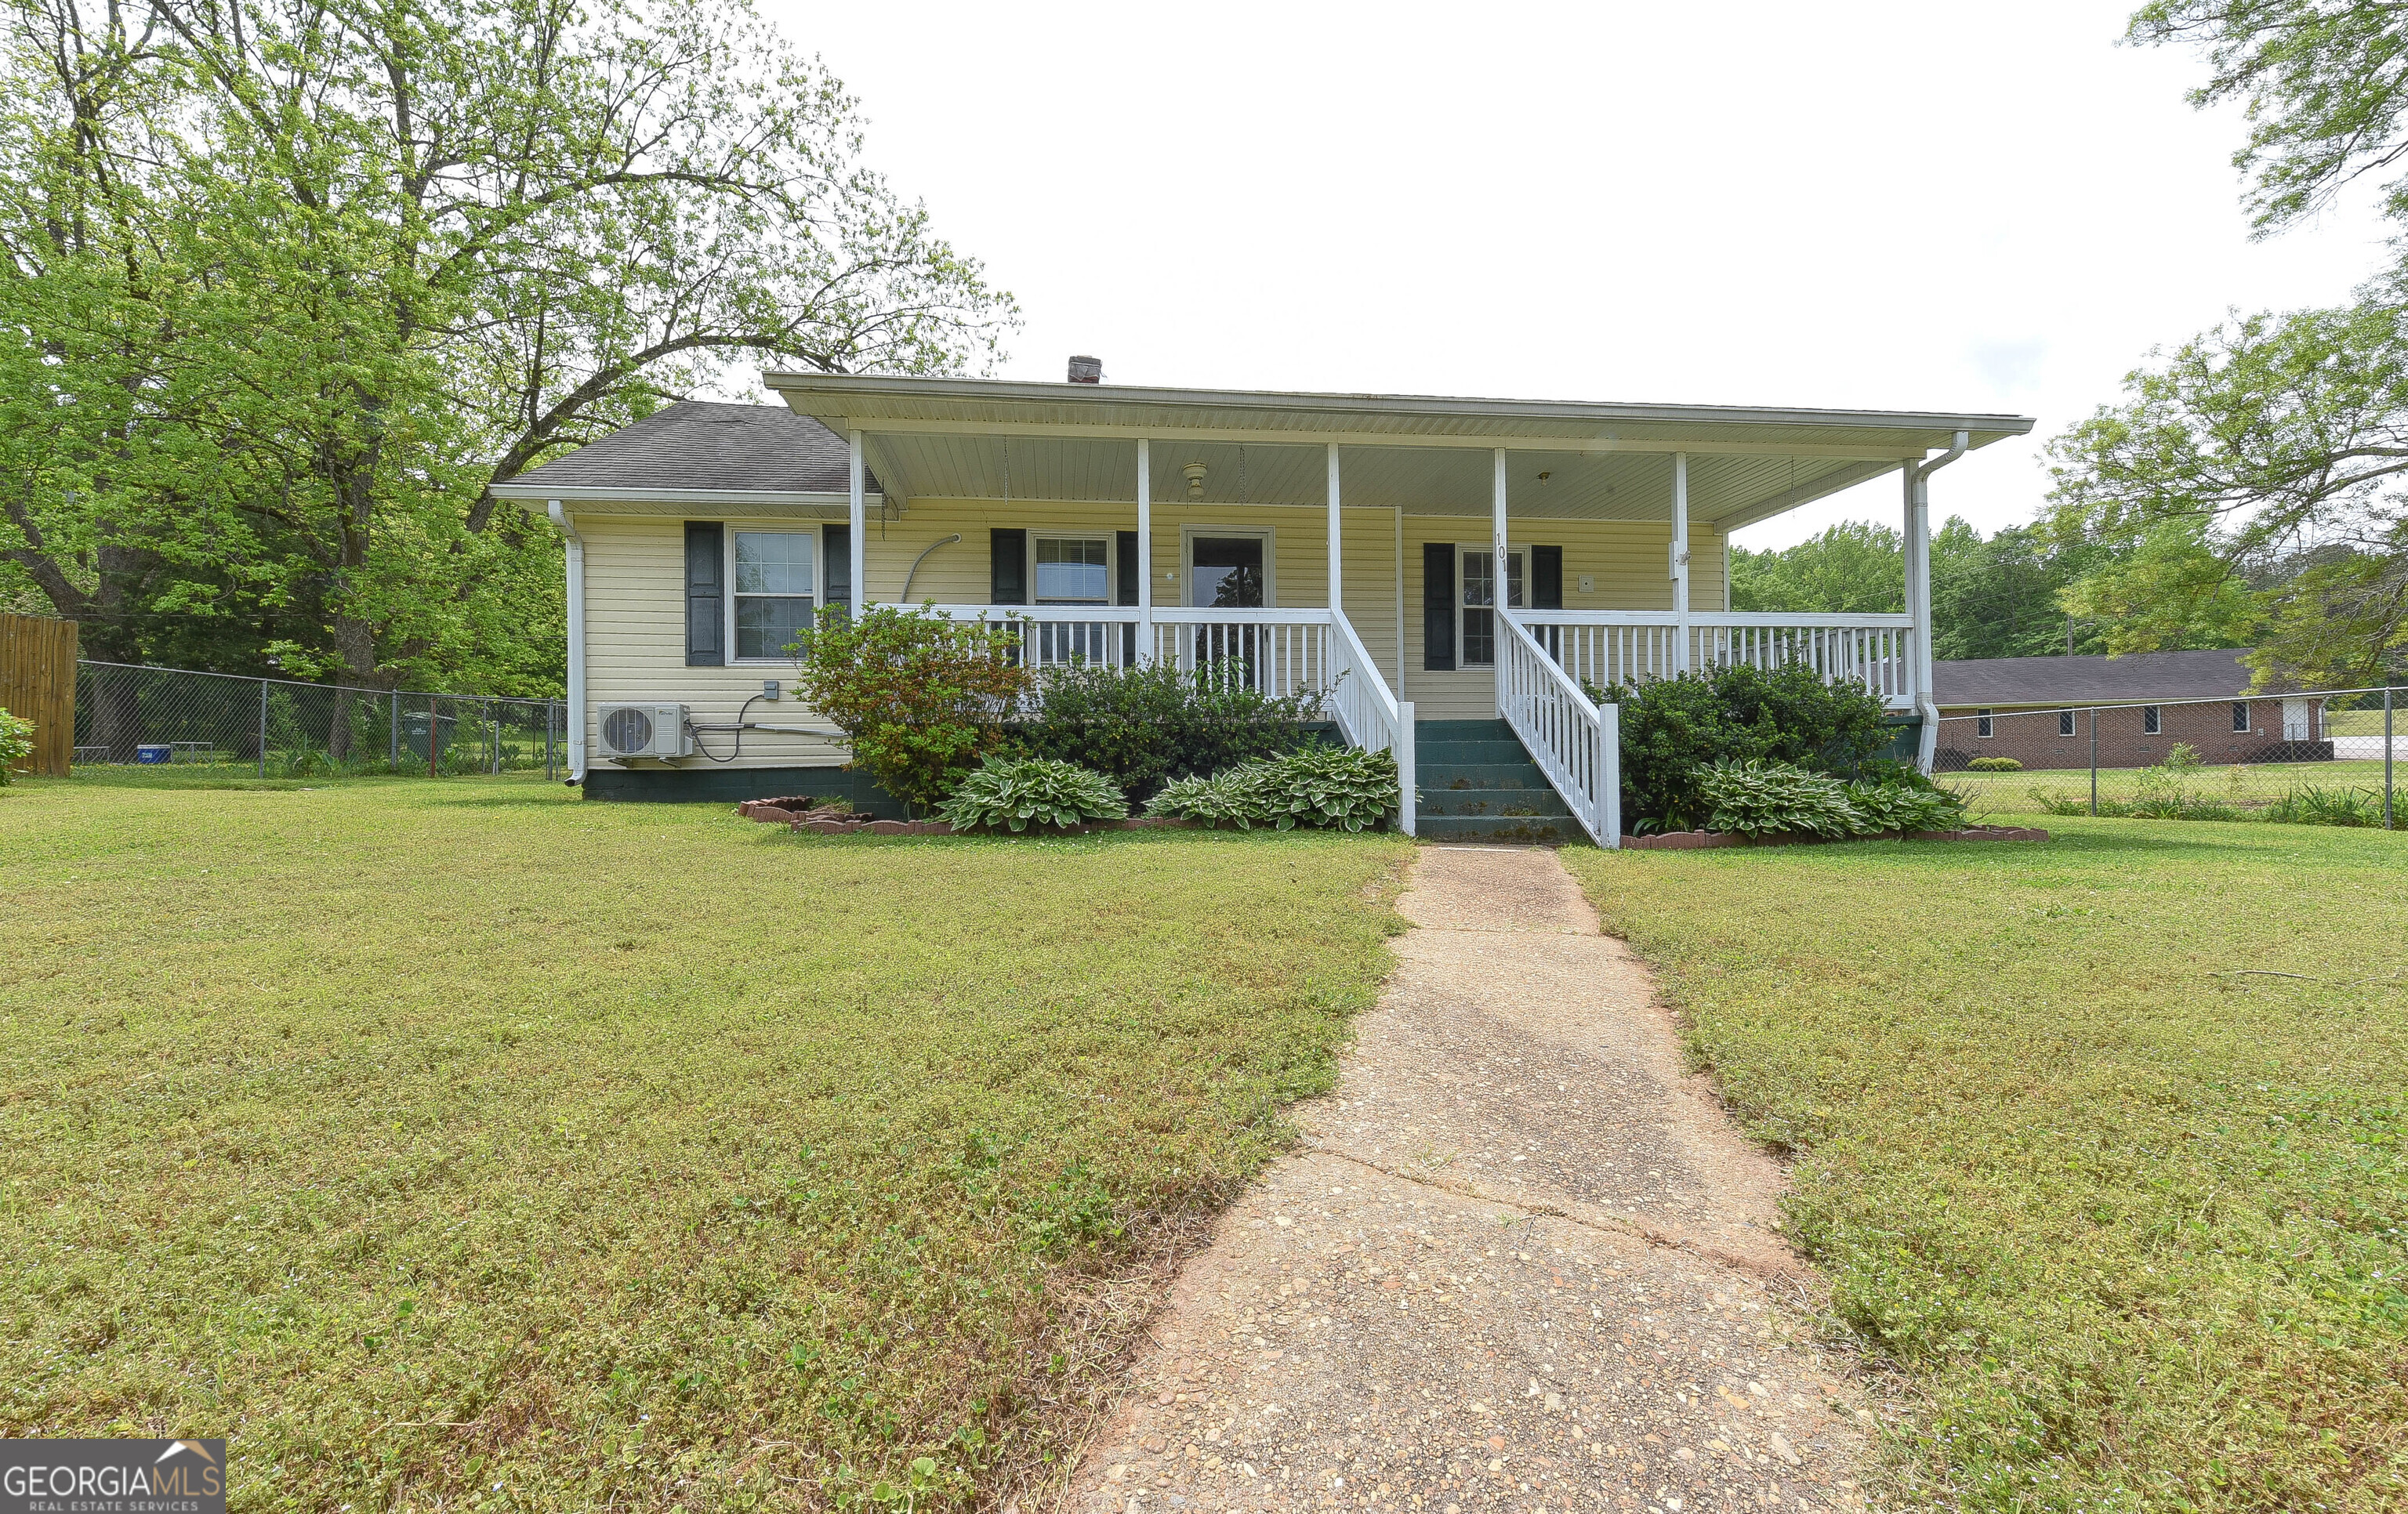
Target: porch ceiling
(983, 439)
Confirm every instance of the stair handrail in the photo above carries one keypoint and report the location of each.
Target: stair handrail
(1369, 713)
(1576, 741)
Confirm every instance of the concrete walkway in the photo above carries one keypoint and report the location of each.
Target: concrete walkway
(1523, 1262)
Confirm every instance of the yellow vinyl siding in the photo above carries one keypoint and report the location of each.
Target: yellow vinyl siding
(635, 644)
(636, 593)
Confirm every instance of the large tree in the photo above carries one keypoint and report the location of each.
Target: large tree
(289, 285)
(2253, 475)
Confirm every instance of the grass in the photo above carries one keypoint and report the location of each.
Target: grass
(2130, 1221)
(456, 1144)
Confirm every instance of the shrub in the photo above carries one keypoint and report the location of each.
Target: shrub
(1676, 730)
(1760, 798)
(1319, 787)
(1017, 792)
(921, 697)
(1994, 765)
(16, 743)
(1145, 725)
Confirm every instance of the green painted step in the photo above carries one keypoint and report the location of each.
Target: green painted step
(1477, 784)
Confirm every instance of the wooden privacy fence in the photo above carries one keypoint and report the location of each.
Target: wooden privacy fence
(37, 682)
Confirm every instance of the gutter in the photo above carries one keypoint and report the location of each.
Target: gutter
(1918, 493)
(576, 641)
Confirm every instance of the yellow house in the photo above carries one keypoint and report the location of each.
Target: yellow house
(1431, 567)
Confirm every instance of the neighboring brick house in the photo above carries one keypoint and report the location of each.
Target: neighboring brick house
(2039, 711)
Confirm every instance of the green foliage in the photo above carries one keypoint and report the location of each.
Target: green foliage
(1882, 807)
(902, 1108)
(2122, 1209)
(2313, 805)
(1757, 798)
(1675, 730)
(1014, 794)
(289, 291)
(1994, 765)
(1853, 567)
(921, 697)
(1321, 788)
(1144, 725)
(16, 743)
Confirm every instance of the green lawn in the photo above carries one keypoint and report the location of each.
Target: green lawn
(457, 1144)
(2131, 1227)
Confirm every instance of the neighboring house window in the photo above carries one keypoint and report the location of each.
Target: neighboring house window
(2065, 723)
(774, 592)
(1479, 599)
(1074, 570)
(2148, 719)
(2240, 715)
(1982, 723)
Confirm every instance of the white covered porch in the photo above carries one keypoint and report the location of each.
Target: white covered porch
(1382, 524)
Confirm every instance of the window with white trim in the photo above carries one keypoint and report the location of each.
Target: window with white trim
(1982, 723)
(2240, 716)
(2065, 723)
(1074, 570)
(775, 591)
(2149, 719)
(1478, 600)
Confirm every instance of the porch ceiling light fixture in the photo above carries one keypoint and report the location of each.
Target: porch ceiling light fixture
(1195, 472)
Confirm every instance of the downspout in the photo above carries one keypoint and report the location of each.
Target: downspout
(576, 642)
(1919, 584)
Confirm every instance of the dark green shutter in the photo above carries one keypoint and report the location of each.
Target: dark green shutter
(1126, 570)
(705, 594)
(1546, 577)
(1007, 571)
(1438, 607)
(836, 543)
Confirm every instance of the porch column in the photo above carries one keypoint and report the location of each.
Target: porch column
(1337, 564)
(1144, 549)
(1681, 560)
(1916, 675)
(1497, 562)
(860, 593)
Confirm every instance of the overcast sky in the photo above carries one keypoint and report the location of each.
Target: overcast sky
(1953, 207)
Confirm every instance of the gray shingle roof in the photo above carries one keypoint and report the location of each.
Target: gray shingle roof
(698, 444)
(2143, 677)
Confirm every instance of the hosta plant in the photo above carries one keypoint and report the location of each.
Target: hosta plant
(1318, 787)
(1018, 793)
(1894, 807)
(1760, 799)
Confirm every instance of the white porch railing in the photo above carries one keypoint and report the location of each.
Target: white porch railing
(1576, 742)
(1608, 646)
(1281, 652)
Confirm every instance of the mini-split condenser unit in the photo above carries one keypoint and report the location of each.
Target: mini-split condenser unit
(646, 731)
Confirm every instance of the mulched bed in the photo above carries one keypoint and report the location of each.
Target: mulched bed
(798, 812)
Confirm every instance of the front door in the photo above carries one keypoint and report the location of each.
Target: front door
(1226, 573)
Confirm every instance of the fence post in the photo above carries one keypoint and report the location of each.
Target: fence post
(2094, 763)
(263, 728)
(547, 712)
(434, 738)
(393, 763)
(494, 711)
(2387, 755)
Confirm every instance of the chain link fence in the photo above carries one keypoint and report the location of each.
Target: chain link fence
(2324, 757)
(126, 715)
